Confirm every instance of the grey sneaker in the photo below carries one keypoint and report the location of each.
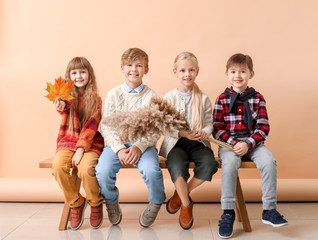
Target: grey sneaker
(149, 214)
(114, 212)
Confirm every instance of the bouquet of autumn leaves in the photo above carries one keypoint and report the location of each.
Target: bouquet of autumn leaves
(159, 118)
(60, 89)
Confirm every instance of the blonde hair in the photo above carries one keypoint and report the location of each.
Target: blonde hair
(196, 104)
(90, 95)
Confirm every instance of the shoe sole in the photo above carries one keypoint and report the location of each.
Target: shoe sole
(225, 237)
(81, 223)
(143, 225)
(116, 223)
(274, 225)
(186, 228)
(171, 212)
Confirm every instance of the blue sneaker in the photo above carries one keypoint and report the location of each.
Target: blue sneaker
(226, 225)
(272, 217)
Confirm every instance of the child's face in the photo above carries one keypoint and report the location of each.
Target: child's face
(239, 75)
(186, 72)
(80, 77)
(134, 72)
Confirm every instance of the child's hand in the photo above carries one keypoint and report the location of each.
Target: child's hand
(59, 104)
(133, 155)
(240, 148)
(77, 157)
(192, 136)
(203, 135)
(122, 156)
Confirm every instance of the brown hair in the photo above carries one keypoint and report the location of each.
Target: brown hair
(240, 59)
(90, 96)
(195, 104)
(133, 54)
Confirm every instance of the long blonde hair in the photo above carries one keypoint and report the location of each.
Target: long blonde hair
(90, 95)
(196, 104)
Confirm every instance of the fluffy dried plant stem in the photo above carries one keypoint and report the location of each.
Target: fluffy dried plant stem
(154, 120)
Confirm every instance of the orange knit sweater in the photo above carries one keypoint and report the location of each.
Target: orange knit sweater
(88, 137)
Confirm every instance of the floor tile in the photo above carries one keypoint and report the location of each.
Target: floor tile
(38, 221)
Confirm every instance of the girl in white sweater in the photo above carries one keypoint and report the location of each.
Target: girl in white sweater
(182, 147)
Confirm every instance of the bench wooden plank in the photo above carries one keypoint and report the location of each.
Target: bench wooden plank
(47, 163)
(240, 202)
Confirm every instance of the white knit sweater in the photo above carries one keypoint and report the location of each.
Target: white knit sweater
(178, 101)
(119, 100)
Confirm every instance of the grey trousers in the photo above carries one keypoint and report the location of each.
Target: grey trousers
(264, 161)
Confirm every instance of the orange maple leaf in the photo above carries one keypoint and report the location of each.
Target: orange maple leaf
(60, 89)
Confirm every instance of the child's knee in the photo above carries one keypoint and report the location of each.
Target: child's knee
(86, 171)
(231, 164)
(154, 173)
(58, 170)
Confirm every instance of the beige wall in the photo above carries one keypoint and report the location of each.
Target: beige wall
(38, 38)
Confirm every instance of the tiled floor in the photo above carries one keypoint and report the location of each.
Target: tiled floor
(39, 221)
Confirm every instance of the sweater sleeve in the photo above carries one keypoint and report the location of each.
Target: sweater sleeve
(90, 129)
(261, 127)
(110, 136)
(169, 97)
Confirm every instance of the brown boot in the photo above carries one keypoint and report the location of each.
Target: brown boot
(186, 218)
(174, 203)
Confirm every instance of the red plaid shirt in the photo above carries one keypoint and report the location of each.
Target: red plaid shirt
(228, 127)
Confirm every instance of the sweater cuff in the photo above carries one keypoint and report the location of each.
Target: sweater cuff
(83, 143)
(117, 147)
(141, 146)
(251, 143)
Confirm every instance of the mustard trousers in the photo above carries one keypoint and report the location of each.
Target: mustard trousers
(62, 165)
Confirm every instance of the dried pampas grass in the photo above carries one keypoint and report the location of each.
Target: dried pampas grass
(159, 118)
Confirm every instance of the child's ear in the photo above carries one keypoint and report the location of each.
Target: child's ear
(146, 70)
(252, 74)
(174, 71)
(198, 71)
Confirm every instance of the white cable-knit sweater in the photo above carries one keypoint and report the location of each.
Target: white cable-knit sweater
(178, 101)
(119, 100)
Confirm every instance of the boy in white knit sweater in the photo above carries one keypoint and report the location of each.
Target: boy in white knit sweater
(129, 96)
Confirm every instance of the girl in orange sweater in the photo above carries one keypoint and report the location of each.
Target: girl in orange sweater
(79, 143)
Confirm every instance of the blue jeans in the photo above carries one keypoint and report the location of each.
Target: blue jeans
(148, 165)
(264, 161)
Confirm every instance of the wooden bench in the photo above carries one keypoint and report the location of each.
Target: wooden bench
(240, 202)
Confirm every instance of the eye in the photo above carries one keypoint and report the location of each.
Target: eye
(139, 65)
(232, 72)
(182, 70)
(73, 73)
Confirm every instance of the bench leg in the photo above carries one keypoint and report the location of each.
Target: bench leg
(241, 208)
(66, 209)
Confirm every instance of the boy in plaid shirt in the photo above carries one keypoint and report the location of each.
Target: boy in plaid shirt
(240, 119)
